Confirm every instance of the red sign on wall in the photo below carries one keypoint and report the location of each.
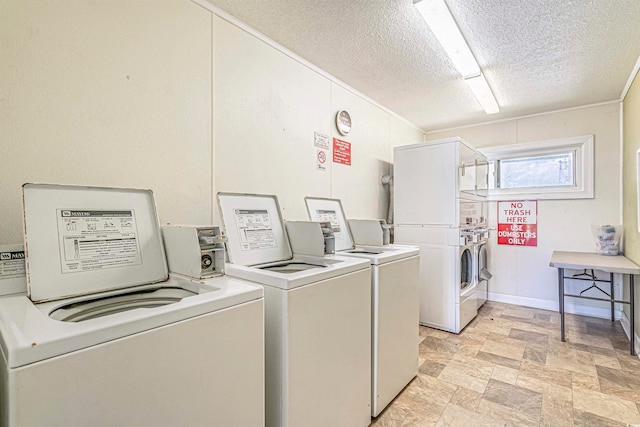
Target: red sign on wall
(341, 152)
(518, 223)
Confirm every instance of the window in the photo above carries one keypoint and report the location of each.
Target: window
(556, 169)
(537, 171)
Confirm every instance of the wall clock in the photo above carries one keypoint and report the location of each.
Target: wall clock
(343, 122)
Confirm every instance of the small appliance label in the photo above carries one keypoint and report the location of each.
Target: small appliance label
(12, 265)
(469, 213)
(325, 215)
(255, 229)
(97, 239)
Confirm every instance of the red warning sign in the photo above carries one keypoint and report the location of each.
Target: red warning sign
(518, 223)
(341, 152)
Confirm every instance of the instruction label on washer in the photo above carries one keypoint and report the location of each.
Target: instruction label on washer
(11, 264)
(325, 215)
(97, 239)
(255, 229)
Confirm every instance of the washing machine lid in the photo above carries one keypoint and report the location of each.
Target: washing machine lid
(82, 240)
(254, 227)
(322, 209)
(301, 270)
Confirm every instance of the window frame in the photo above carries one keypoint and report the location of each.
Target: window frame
(580, 146)
(638, 187)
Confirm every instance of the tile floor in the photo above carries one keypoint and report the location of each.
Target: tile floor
(508, 367)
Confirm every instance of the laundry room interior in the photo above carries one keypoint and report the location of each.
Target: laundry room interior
(313, 128)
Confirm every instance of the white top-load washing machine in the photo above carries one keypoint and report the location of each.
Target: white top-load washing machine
(318, 318)
(395, 271)
(107, 337)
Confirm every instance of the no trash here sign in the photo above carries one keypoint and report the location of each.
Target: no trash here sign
(518, 223)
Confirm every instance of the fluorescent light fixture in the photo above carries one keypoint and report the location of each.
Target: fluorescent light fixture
(444, 27)
(483, 94)
(439, 19)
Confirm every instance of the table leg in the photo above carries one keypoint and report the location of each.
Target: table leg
(633, 315)
(561, 301)
(612, 296)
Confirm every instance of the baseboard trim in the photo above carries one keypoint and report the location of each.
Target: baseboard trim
(569, 307)
(624, 321)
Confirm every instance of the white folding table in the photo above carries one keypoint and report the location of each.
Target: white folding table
(608, 264)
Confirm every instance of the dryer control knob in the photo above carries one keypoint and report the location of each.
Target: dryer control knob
(206, 261)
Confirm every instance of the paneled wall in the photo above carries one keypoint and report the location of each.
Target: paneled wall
(266, 109)
(109, 93)
(167, 95)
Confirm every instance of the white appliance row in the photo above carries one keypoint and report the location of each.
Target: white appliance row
(341, 319)
(108, 335)
(440, 206)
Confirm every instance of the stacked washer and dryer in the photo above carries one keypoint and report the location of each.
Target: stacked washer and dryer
(440, 205)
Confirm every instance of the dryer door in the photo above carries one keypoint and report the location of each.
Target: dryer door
(466, 268)
(483, 272)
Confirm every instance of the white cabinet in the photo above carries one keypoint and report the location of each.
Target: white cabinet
(466, 169)
(482, 176)
(430, 179)
(474, 172)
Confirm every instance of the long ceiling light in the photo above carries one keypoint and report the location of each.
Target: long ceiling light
(444, 27)
(482, 92)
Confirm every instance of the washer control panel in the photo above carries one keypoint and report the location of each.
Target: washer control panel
(194, 251)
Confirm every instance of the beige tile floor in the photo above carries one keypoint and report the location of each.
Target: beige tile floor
(508, 367)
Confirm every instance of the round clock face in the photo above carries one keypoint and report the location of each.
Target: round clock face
(343, 122)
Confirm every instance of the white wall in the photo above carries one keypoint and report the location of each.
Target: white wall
(359, 185)
(522, 274)
(267, 106)
(166, 95)
(266, 109)
(110, 93)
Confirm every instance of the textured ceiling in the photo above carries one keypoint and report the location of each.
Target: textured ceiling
(537, 55)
